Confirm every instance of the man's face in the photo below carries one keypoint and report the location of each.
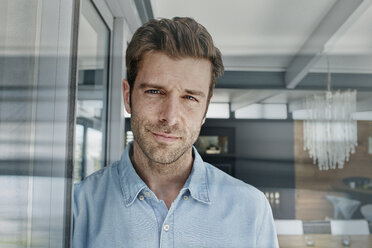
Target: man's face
(169, 100)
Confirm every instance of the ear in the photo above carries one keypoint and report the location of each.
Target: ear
(126, 95)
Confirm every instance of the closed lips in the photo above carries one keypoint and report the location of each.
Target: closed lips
(165, 136)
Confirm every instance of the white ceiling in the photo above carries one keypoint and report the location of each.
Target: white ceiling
(267, 35)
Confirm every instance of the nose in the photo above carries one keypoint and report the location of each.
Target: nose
(170, 111)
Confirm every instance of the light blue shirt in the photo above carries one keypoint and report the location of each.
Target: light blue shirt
(114, 208)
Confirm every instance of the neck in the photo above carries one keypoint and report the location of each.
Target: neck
(165, 180)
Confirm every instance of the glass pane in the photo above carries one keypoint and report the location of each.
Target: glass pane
(93, 50)
(14, 191)
(34, 87)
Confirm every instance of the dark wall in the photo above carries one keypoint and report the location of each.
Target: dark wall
(264, 151)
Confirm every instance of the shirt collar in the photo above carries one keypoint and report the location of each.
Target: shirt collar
(132, 184)
(197, 182)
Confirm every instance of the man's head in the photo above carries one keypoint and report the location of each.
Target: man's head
(172, 67)
(176, 38)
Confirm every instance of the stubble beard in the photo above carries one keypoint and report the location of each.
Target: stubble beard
(158, 153)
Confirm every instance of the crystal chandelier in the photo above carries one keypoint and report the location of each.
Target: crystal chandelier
(330, 133)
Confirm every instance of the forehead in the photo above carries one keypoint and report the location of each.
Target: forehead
(159, 68)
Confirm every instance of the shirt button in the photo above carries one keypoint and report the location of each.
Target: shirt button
(166, 228)
(147, 194)
(141, 197)
(185, 197)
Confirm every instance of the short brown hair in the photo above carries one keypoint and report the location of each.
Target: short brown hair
(177, 38)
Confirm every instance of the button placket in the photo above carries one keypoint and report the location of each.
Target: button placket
(167, 231)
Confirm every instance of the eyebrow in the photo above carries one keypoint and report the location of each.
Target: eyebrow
(147, 85)
(195, 92)
(156, 86)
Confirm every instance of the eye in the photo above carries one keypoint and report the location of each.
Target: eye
(191, 98)
(152, 91)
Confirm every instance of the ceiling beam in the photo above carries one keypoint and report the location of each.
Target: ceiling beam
(340, 81)
(338, 19)
(275, 80)
(251, 80)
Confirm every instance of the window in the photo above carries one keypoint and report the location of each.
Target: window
(262, 111)
(93, 57)
(218, 110)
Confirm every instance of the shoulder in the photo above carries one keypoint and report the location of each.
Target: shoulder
(99, 178)
(224, 185)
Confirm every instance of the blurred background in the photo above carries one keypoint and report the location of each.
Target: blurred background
(292, 115)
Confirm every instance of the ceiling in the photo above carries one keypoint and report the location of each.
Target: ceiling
(262, 34)
(293, 40)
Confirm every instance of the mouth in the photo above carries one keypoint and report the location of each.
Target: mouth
(165, 138)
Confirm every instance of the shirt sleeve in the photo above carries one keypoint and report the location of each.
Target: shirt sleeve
(267, 234)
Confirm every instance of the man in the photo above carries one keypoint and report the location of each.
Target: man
(161, 193)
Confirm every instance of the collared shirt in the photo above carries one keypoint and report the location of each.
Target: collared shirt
(115, 208)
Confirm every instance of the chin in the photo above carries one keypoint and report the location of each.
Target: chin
(166, 154)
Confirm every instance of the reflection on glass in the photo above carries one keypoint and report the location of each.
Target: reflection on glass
(13, 209)
(94, 151)
(92, 80)
(79, 145)
(33, 181)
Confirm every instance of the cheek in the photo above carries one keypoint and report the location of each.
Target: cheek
(142, 106)
(146, 114)
(194, 115)
(199, 112)
(194, 119)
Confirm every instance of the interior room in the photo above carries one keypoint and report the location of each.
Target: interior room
(291, 115)
(277, 56)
